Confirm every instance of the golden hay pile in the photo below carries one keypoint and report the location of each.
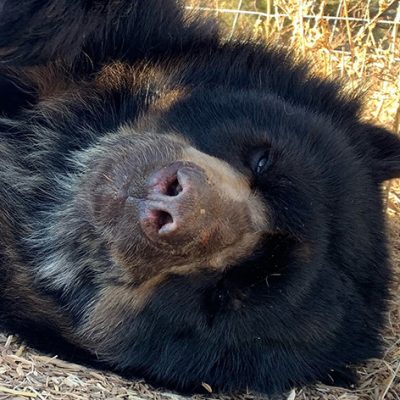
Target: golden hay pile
(355, 46)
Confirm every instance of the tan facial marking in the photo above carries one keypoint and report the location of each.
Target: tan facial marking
(231, 184)
(113, 305)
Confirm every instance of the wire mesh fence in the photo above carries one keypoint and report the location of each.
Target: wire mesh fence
(357, 40)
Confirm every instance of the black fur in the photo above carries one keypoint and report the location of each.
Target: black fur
(94, 91)
(93, 31)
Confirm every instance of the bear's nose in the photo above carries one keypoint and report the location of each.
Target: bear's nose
(175, 202)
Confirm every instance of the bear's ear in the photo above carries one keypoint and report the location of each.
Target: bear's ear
(384, 149)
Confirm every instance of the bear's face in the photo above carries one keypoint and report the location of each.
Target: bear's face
(207, 192)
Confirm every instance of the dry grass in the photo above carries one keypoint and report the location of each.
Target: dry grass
(356, 40)
(365, 54)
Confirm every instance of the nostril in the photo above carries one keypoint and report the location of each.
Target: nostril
(163, 218)
(174, 188)
(168, 185)
(157, 224)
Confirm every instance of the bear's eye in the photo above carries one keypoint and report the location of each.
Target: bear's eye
(260, 161)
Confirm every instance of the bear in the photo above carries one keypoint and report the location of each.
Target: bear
(182, 208)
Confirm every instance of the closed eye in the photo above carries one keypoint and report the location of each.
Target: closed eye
(260, 161)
